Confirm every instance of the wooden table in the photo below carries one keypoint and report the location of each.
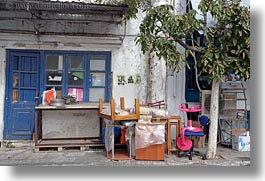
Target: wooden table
(114, 118)
(40, 141)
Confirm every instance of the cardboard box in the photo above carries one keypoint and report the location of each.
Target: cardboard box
(197, 124)
(199, 141)
(241, 142)
(239, 131)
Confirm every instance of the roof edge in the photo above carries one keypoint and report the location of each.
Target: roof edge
(29, 5)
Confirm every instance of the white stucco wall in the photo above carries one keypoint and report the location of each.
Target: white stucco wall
(176, 81)
(130, 61)
(127, 60)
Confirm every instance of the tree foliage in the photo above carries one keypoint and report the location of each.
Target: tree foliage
(227, 43)
(232, 34)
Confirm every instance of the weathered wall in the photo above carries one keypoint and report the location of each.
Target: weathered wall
(148, 74)
(176, 81)
(70, 124)
(59, 23)
(127, 61)
(134, 75)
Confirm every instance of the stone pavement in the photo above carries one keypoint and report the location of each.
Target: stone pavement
(26, 156)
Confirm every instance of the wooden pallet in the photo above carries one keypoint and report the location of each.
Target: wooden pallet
(68, 145)
(72, 145)
(59, 148)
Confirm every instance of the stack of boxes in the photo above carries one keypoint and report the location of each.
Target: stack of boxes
(241, 142)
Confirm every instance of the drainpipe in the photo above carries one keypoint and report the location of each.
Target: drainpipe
(180, 77)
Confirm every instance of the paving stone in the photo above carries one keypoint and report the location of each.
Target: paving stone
(27, 156)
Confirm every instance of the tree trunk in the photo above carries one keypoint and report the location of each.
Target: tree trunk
(149, 80)
(213, 128)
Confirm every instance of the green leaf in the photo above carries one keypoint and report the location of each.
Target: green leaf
(161, 29)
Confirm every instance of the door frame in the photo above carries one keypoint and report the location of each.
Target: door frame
(8, 84)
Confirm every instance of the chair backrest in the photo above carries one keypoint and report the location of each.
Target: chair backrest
(204, 120)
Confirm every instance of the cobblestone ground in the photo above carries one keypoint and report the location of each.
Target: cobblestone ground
(27, 156)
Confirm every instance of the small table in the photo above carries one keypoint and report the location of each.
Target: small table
(111, 118)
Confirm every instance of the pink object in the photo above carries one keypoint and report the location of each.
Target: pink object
(197, 108)
(189, 123)
(76, 92)
(184, 145)
(194, 129)
(182, 142)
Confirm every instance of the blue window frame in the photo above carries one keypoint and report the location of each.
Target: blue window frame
(192, 93)
(84, 75)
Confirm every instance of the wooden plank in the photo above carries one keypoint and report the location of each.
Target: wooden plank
(100, 105)
(236, 132)
(122, 105)
(112, 109)
(68, 145)
(137, 108)
(152, 152)
(59, 148)
(116, 117)
(119, 155)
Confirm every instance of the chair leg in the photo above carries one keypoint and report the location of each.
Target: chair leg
(190, 155)
(192, 152)
(198, 153)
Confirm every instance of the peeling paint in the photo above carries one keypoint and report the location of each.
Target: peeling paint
(128, 64)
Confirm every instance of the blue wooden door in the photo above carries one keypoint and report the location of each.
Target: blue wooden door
(22, 94)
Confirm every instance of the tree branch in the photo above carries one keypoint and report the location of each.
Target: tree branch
(205, 28)
(195, 49)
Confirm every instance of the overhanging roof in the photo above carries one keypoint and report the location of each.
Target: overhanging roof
(58, 6)
(43, 17)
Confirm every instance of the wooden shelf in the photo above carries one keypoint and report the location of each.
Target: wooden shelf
(233, 110)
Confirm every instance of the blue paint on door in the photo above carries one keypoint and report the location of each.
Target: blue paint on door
(22, 94)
